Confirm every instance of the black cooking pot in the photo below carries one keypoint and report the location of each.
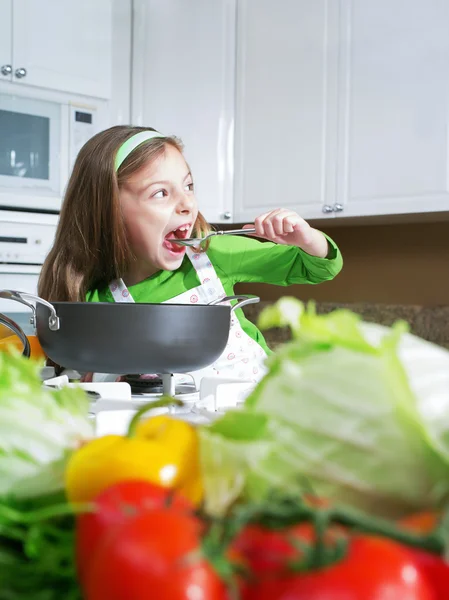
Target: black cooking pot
(12, 326)
(109, 337)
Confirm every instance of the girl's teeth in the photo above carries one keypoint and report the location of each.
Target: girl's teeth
(180, 230)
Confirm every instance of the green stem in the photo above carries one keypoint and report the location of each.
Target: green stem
(321, 524)
(281, 513)
(17, 533)
(164, 401)
(375, 526)
(43, 514)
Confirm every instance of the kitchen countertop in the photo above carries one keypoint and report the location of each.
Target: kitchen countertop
(429, 323)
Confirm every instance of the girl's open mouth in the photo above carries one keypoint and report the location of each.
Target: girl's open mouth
(180, 233)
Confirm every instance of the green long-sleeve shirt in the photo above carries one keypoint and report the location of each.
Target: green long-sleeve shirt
(237, 260)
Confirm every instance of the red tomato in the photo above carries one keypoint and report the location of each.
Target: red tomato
(433, 567)
(155, 555)
(267, 552)
(115, 505)
(374, 569)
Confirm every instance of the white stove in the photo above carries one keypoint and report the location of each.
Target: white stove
(113, 403)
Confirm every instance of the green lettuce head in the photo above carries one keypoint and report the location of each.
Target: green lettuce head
(39, 429)
(358, 413)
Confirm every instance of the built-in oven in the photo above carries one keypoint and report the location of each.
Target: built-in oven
(25, 240)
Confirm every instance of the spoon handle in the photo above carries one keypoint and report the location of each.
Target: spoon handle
(236, 231)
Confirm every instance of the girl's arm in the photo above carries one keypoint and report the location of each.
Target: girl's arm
(242, 259)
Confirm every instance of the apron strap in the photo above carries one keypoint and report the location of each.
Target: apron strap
(119, 291)
(202, 265)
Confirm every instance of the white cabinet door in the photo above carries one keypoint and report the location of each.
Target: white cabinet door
(183, 84)
(64, 45)
(393, 136)
(286, 106)
(5, 40)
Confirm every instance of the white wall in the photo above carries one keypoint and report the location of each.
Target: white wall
(121, 62)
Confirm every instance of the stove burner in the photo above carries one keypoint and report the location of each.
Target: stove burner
(152, 384)
(144, 384)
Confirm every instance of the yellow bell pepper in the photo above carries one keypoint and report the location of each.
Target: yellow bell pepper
(161, 449)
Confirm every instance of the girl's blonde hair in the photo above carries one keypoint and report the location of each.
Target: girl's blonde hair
(91, 246)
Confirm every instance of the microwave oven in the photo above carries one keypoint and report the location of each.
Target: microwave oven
(41, 133)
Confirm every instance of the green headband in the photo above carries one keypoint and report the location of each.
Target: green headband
(131, 144)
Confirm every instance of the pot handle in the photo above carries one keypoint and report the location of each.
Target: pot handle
(22, 297)
(244, 300)
(4, 320)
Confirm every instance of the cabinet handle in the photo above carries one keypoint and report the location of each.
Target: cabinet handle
(338, 207)
(19, 73)
(6, 70)
(327, 209)
(227, 216)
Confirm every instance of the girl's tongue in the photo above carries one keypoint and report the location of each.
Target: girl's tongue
(172, 247)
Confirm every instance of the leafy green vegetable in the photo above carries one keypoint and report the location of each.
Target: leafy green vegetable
(38, 429)
(346, 409)
(37, 549)
(284, 313)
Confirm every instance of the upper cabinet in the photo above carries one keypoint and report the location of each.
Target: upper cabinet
(286, 108)
(394, 107)
(183, 84)
(5, 40)
(63, 45)
(342, 107)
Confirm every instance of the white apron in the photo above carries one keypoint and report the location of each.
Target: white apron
(243, 358)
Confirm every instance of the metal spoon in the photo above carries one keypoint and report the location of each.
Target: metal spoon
(198, 241)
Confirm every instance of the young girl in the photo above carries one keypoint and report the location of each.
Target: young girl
(130, 192)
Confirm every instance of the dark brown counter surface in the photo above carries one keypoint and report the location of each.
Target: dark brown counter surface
(431, 324)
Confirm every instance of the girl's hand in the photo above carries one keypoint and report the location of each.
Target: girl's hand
(86, 378)
(284, 226)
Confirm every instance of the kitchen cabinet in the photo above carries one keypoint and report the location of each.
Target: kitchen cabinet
(394, 99)
(286, 107)
(342, 107)
(5, 40)
(183, 84)
(63, 45)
